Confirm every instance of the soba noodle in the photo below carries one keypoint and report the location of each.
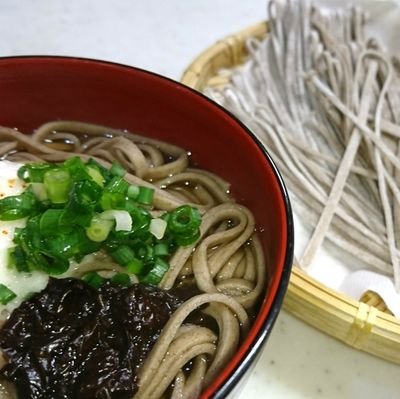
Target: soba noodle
(226, 264)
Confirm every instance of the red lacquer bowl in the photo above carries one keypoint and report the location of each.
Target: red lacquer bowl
(35, 90)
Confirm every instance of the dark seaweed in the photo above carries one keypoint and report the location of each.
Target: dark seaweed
(73, 341)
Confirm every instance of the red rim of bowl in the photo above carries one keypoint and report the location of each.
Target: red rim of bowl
(261, 328)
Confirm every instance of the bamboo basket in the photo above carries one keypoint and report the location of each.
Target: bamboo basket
(364, 325)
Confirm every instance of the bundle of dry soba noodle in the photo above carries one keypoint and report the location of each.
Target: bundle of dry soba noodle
(226, 264)
(325, 100)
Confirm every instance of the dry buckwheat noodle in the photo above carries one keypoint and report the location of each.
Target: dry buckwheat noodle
(226, 263)
(325, 100)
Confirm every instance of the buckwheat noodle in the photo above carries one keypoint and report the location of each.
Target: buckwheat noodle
(227, 263)
(325, 101)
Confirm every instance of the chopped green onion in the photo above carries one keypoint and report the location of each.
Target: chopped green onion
(6, 295)
(117, 185)
(134, 266)
(19, 259)
(145, 196)
(184, 224)
(96, 175)
(76, 208)
(123, 220)
(97, 165)
(10, 262)
(66, 245)
(141, 218)
(87, 193)
(122, 279)
(39, 190)
(18, 206)
(81, 218)
(123, 255)
(32, 232)
(57, 183)
(34, 172)
(99, 228)
(155, 275)
(184, 220)
(93, 279)
(48, 262)
(112, 201)
(158, 227)
(76, 168)
(86, 246)
(23, 173)
(133, 191)
(50, 220)
(82, 201)
(145, 252)
(161, 249)
(184, 240)
(117, 169)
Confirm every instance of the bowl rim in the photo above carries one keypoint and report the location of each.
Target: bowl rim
(224, 385)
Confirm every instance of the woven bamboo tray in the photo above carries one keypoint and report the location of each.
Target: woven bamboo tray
(364, 325)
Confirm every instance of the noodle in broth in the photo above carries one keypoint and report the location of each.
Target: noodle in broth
(227, 263)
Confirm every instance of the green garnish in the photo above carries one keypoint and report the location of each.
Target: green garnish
(123, 254)
(18, 206)
(134, 266)
(94, 279)
(145, 196)
(117, 170)
(184, 223)
(99, 229)
(6, 295)
(121, 278)
(154, 276)
(76, 208)
(57, 183)
(161, 249)
(133, 192)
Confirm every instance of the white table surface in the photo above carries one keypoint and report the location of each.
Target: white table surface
(165, 36)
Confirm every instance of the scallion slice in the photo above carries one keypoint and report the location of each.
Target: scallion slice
(122, 279)
(123, 220)
(18, 258)
(95, 174)
(145, 196)
(133, 191)
(39, 190)
(34, 172)
(57, 183)
(158, 227)
(184, 240)
(99, 228)
(117, 169)
(50, 220)
(6, 295)
(66, 245)
(184, 220)
(155, 275)
(92, 163)
(93, 279)
(18, 206)
(161, 249)
(117, 185)
(134, 266)
(123, 255)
